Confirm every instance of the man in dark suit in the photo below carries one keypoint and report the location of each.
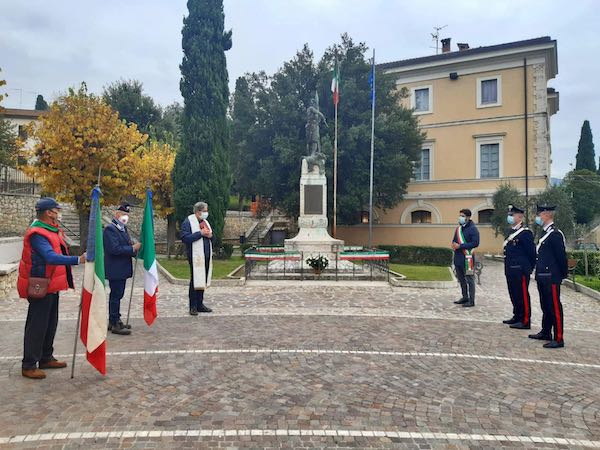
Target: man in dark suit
(550, 270)
(118, 251)
(465, 240)
(519, 261)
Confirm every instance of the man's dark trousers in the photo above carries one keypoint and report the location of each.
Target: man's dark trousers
(552, 310)
(467, 282)
(40, 329)
(117, 290)
(518, 290)
(197, 297)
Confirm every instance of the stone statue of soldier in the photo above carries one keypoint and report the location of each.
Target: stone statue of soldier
(313, 138)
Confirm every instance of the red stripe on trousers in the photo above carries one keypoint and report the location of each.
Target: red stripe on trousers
(525, 302)
(557, 317)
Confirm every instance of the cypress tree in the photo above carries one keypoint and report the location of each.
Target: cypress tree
(40, 103)
(586, 157)
(201, 171)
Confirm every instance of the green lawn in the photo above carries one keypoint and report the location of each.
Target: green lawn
(422, 273)
(179, 268)
(593, 283)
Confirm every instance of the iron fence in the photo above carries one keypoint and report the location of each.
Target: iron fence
(15, 181)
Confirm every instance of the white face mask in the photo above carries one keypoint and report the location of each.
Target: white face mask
(204, 215)
(124, 219)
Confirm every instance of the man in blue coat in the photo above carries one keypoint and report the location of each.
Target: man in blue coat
(118, 251)
(519, 261)
(550, 270)
(465, 240)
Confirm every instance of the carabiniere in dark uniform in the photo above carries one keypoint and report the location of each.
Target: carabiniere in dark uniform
(519, 261)
(550, 270)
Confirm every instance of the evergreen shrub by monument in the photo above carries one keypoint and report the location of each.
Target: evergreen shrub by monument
(409, 254)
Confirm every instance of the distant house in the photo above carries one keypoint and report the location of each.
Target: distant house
(475, 105)
(20, 118)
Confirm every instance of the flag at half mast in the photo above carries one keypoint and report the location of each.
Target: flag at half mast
(335, 84)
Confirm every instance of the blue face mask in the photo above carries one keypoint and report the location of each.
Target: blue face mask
(462, 220)
(539, 221)
(510, 220)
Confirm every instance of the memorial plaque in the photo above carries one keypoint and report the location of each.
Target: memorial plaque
(313, 199)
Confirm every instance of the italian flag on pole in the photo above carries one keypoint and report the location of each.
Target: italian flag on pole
(93, 298)
(335, 84)
(148, 254)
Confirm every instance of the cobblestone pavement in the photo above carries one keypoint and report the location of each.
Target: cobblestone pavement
(305, 366)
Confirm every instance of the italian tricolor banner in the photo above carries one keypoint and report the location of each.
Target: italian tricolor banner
(335, 84)
(94, 316)
(460, 237)
(148, 254)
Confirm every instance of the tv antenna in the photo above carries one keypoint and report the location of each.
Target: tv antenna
(436, 37)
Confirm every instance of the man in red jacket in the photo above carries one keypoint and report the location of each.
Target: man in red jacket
(45, 255)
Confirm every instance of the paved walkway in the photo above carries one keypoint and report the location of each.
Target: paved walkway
(304, 366)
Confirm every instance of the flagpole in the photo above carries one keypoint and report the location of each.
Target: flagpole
(131, 293)
(372, 152)
(335, 145)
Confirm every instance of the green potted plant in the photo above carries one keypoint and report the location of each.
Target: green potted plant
(318, 263)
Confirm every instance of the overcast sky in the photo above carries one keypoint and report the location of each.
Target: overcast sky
(47, 46)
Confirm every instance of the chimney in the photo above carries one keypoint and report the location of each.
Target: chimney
(462, 47)
(446, 45)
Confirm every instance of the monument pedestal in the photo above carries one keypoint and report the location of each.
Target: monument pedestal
(313, 238)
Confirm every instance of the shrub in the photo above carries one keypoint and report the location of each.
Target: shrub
(245, 247)
(593, 262)
(224, 251)
(430, 256)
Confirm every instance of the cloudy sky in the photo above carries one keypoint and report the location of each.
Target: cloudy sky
(46, 46)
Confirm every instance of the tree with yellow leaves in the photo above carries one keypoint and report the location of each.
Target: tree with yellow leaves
(80, 137)
(8, 137)
(152, 169)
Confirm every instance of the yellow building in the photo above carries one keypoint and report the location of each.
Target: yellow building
(471, 103)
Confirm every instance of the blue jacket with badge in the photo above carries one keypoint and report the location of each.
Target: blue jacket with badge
(552, 257)
(118, 251)
(519, 252)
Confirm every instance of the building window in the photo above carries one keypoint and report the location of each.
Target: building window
(422, 170)
(420, 216)
(489, 160)
(489, 91)
(485, 216)
(22, 132)
(421, 99)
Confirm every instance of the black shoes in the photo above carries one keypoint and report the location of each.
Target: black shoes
(119, 328)
(520, 326)
(510, 321)
(461, 301)
(541, 336)
(554, 344)
(122, 325)
(202, 309)
(468, 304)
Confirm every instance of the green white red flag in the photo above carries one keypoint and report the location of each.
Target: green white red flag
(335, 84)
(148, 254)
(94, 316)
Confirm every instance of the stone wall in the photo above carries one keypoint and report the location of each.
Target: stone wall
(18, 211)
(237, 224)
(8, 279)
(136, 216)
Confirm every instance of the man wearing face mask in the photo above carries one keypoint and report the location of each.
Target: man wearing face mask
(465, 240)
(118, 251)
(45, 256)
(196, 234)
(550, 270)
(519, 261)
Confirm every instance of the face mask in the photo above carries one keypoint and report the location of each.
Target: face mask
(462, 220)
(124, 219)
(510, 220)
(204, 215)
(539, 220)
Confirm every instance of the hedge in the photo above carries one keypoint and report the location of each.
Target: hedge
(430, 256)
(593, 262)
